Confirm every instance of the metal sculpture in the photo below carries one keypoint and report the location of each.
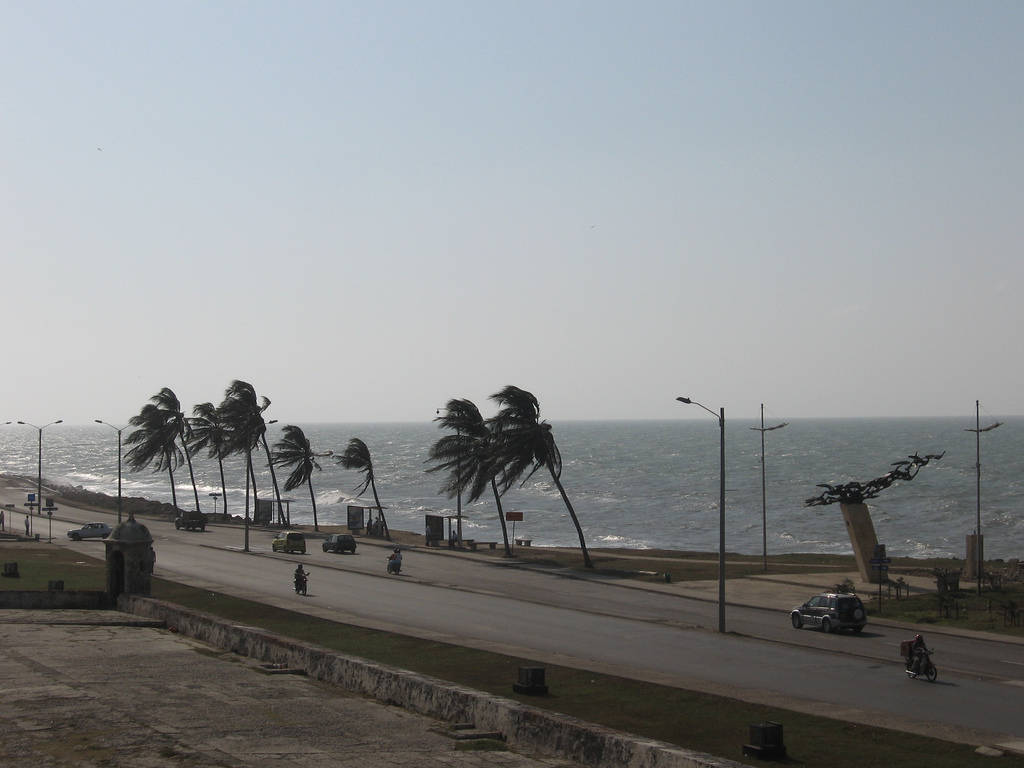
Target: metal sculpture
(856, 493)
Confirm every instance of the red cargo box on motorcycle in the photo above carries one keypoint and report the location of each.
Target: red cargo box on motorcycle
(905, 646)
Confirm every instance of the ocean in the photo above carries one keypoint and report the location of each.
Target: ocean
(635, 484)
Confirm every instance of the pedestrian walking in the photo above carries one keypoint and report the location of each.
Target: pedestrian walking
(26, 525)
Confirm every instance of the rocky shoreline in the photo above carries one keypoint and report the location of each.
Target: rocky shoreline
(101, 502)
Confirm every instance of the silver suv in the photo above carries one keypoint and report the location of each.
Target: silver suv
(831, 611)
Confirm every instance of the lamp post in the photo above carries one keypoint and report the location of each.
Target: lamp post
(214, 496)
(721, 508)
(978, 429)
(39, 479)
(764, 503)
(118, 430)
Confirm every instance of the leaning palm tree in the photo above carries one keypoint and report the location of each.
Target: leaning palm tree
(521, 441)
(243, 411)
(153, 443)
(357, 456)
(466, 456)
(209, 433)
(293, 450)
(170, 406)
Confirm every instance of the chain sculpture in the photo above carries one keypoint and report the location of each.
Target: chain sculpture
(856, 493)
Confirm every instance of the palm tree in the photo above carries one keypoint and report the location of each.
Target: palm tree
(466, 456)
(357, 456)
(170, 406)
(210, 433)
(243, 412)
(521, 441)
(293, 450)
(154, 443)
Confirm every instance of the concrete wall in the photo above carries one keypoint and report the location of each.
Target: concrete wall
(528, 727)
(36, 600)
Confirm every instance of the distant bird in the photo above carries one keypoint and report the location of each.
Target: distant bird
(99, 149)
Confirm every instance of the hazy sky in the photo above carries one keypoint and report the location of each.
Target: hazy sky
(367, 208)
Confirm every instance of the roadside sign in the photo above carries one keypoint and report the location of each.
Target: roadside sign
(514, 516)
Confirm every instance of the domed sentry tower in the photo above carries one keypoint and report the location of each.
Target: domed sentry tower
(130, 559)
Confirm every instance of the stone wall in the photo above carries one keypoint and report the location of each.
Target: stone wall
(37, 600)
(521, 725)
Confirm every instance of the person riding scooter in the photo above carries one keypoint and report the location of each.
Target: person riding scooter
(395, 561)
(300, 579)
(916, 657)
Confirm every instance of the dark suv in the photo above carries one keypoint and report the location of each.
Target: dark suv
(340, 542)
(831, 611)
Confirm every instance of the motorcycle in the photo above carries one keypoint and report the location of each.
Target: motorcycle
(924, 667)
(301, 580)
(394, 565)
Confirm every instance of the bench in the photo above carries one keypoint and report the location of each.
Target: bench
(473, 544)
(523, 542)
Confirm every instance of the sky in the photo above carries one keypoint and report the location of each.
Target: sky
(366, 209)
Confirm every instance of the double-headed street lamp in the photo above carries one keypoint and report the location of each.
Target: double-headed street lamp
(764, 503)
(978, 429)
(39, 479)
(118, 430)
(721, 509)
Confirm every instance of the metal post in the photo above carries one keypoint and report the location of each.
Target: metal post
(978, 429)
(764, 503)
(721, 527)
(977, 464)
(119, 476)
(764, 496)
(721, 508)
(118, 430)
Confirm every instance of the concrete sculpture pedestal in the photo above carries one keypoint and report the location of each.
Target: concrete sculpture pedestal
(862, 537)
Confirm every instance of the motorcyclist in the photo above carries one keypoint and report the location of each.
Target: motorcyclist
(300, 575)
(395, 560)
(918, 652)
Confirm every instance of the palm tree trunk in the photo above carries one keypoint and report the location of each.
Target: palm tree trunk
(174, 495)
(250, 476)
(273, 476)
(572, 514)
(223, 486)
(380, 511)
(501, 518)
(248, 472)
(191, 475)
(312, 498)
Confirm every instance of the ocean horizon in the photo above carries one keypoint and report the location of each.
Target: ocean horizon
(634, 484)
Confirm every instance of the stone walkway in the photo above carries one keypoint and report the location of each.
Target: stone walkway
(78, 689)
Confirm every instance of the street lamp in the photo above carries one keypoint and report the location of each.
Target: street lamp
(978, 429)
(39, 479)
(764, 503)
(721, 508)
(214, 496)
(118, 430)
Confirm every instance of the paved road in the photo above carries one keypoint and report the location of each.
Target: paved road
(652, 635)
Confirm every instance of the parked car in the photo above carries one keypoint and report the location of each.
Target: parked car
(340, 542)
(290, 541)
(190, 520)
(831, 611)
(90, 531)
